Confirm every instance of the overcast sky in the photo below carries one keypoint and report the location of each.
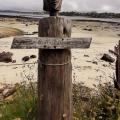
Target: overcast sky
(68, 5)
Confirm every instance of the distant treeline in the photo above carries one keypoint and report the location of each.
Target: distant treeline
(73, 13)
(92, 14)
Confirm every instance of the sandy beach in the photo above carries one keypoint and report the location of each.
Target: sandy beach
(87, 66)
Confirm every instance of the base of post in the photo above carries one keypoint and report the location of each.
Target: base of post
(55, 85)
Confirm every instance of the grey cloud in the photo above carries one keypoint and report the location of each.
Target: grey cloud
(68, 5)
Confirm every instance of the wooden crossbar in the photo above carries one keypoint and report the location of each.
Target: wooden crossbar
(50, 43)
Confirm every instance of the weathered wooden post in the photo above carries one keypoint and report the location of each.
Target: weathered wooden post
(52, 6)
(54, 66)
(117, 53)
(55, 80)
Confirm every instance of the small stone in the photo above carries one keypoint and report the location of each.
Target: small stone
(33, 56)
(118, 34)
(104, 65)
(14, 61)
(26, 58)
(95, 62)
(86, 55)
(26, 25)
(88, 29)
(88, 61)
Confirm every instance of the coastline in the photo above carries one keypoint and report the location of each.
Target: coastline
(87, 65)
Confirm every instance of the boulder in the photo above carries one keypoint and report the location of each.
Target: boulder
(6, 57)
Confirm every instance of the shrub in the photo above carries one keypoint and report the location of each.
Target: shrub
(101, 103)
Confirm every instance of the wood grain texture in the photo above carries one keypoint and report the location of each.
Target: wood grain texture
(55, 85)
(117, 83)
(53, 6)
(50, 43)
(54, 80)
(55, 27)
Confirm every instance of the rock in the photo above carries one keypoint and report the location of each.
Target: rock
(26, 25)
(8, 92)
(118, 35)
(33, 56)
(86, 55)
(14, 61)
(6, 57)
(88, 61)
(26, 58)
(88, 29)
(74, 25)
(108, 58)
(104, 65)
(118, 23)
(35, 32)
(95, 62)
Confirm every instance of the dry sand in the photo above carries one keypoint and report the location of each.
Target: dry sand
(87, 66)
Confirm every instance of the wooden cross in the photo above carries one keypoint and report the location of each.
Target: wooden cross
(54, 67)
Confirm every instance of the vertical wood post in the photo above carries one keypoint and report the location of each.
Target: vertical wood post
(117, 82)
(55, 73)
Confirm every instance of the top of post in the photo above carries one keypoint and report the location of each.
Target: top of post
(52, 6)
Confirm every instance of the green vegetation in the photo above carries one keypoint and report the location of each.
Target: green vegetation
(21, 106)
(101, 103)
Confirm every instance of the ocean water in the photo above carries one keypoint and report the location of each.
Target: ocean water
(37, 16)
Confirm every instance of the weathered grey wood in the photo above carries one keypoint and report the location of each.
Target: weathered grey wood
(55, 85)
(53, 6)
(54, 77)
(54, 27)
(117, 82)
(50, 43)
